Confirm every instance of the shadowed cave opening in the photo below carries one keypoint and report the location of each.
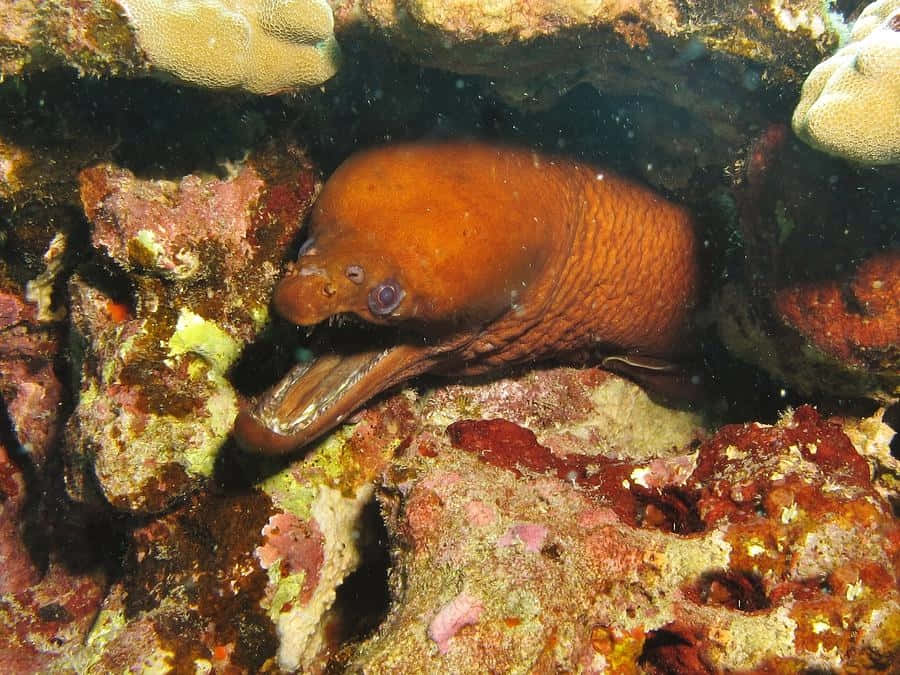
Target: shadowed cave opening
(363, 599)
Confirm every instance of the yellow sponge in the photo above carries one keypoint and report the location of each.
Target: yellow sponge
(850, 103)
(264, 46)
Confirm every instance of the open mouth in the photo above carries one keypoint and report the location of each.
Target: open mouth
(311, 390)
(354, 362)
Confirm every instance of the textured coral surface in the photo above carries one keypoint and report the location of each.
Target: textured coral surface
(546, 519)
(264, 47)
(857, 321)
(850, 104)
(766, 548)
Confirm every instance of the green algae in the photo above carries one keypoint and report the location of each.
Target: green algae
(194, 334)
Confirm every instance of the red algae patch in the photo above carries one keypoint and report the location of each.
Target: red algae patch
(297, 544)
(856, 321)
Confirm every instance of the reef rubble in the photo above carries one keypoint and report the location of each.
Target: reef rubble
(200, 258)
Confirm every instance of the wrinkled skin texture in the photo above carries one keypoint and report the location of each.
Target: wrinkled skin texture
(484, 256)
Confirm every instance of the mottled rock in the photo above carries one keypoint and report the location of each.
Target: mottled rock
(46, 609)
(201, 257)
(30, 389)
(766, 547)
(246, 582)
(92, 37)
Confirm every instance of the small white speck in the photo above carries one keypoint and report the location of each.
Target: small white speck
(819, 627)
(599, 176)
(854, 590)
(640, 475)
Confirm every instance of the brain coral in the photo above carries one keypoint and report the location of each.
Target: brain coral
(264, 46)
(850, 103)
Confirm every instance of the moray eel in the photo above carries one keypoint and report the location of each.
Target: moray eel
(483, 256)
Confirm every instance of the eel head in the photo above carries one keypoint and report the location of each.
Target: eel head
(395, 245)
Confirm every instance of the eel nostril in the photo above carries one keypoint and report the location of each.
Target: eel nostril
(328, 289)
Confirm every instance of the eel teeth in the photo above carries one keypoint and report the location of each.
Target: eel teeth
(310, 390)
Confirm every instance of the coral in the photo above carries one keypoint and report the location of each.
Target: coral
(264, 46)
(823, 324)
(766, 549)
(833, 336)
(202, 256)
(855, 322)
(850, 103)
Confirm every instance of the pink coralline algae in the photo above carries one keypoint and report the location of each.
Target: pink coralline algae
(201, 256)
(297, 544)
(531, 535)
(45, 609)
(764, 549)
(30, 389)
(461, 611)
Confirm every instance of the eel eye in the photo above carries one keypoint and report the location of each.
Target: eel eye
(355, 273)
(385, 297)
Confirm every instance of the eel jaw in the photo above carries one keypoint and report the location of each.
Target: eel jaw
(315, 397)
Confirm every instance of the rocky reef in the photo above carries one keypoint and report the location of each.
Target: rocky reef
(750, 552)
(736, 513)
(202, 256)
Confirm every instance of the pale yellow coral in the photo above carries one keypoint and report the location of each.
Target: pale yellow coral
(264, 46)
(850, 103)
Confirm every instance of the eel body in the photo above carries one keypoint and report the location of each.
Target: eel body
(483, 256)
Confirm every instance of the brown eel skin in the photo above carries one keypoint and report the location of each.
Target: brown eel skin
(483, 256)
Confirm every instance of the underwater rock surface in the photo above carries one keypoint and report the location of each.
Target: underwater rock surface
(766, 548)
(31, 390)
(201, 257)
(556, 518)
